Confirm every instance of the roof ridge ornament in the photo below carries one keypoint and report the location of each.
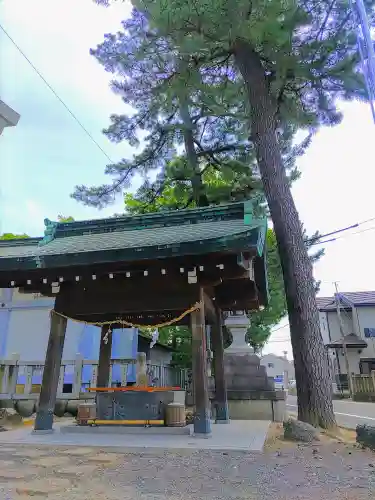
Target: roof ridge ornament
(49, 232)
(248, 212)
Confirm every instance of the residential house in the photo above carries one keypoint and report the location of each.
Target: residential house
(160, 354)
(279, 368)
(357, 318)
(24, 331)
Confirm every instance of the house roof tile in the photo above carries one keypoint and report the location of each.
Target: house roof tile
(137, 238)
(351, 340)
(359, 299)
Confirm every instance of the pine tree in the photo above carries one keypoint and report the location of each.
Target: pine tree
(205, 119)
(290, 61)
(295, 58)
(225, 186)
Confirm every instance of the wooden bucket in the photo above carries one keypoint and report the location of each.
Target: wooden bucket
(86, 411)
(175, 415)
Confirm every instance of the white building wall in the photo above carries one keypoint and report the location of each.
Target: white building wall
(29, 331)
(17, 296)
(160, 356)
(28, 334)
(353, 359)
(366, 317)
(278, 366)
(334, 325)
(25, 328)
(324, 327)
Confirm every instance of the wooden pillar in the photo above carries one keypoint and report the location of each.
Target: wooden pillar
(221, 401)
(105, 349)
(202, 420)
(51, 373)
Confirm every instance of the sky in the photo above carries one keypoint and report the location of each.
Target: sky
(47, 154)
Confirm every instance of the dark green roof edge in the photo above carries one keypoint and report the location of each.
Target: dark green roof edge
(236, 242)
(53, 230)
(229, 211)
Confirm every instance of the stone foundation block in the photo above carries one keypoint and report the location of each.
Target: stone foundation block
(296, 430)
(250, 410)
(366, 436)
(257, 405)
(257, 410)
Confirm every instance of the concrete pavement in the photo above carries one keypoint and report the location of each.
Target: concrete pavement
(239, 435)
(348, 413)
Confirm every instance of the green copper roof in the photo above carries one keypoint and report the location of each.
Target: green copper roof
(152, 236)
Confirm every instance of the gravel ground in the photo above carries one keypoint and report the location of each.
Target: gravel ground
(324, 472)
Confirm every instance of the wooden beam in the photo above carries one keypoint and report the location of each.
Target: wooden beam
(51, 372)
(221, 401)
(202, 420)
(236, 294)
(104, 365)
(121, 301)
(210, 267)
(209, 307)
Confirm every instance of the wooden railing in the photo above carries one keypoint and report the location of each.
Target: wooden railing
(363, 383)
(11, 369)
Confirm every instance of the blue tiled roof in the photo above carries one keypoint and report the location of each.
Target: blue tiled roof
(359, 299)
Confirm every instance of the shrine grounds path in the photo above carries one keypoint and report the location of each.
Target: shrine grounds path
(324, 472)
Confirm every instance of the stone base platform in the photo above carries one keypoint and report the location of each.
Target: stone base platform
(238, 435)
(257, 405)
(121, 429)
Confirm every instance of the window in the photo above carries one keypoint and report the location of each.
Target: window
(369, 333)
(271, 365)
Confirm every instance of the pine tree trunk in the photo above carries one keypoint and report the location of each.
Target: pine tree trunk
(198, 188)
(314, 384)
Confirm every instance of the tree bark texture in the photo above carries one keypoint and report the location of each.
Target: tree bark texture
(198, 188)
(314, 385)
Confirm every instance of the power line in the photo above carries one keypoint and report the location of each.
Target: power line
(320, 236)
(345, 236)
(89, 135)
(278, 341)
(279, 328)
(313, 241)
(56, 94)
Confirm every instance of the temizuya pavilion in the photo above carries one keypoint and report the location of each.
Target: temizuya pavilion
(144, 270)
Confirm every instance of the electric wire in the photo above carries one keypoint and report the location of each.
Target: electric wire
(343, 236)
(316, 240)
(77, 120)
